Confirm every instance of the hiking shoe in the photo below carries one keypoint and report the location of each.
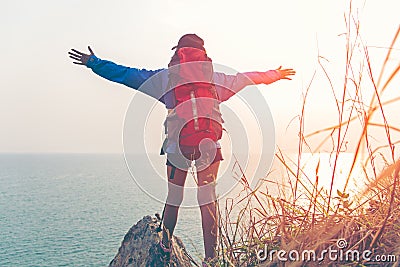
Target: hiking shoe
(209, 262)
(165, 253)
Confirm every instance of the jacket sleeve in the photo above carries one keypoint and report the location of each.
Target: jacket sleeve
(228, 85)
(131, 77)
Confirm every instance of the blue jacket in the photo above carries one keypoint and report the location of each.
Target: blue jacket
(226, 85)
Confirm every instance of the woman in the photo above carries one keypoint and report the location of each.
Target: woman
(179, 153)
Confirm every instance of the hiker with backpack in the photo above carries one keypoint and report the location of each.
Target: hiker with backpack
(192, 92)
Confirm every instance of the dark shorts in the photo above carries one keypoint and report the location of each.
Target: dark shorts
(190, 154)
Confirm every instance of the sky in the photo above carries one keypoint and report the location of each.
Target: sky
(48, 104)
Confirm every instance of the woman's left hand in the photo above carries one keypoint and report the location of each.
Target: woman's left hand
(286, 73)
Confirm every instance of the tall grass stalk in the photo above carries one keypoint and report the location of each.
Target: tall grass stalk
(303, 214)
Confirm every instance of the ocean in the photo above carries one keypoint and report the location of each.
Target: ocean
(74, 210)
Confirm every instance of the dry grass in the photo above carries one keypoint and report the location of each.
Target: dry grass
(306, 216)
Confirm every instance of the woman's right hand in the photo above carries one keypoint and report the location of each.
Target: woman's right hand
(81, 58)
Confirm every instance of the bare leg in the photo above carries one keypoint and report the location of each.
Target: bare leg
(174, 199)
(207, 201)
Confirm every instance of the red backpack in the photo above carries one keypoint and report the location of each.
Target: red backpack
(196, 115)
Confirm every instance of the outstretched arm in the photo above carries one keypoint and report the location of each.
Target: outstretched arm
(131, 77)
(229, 85)
(270, 76)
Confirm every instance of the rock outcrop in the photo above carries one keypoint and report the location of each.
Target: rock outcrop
(140, 247)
